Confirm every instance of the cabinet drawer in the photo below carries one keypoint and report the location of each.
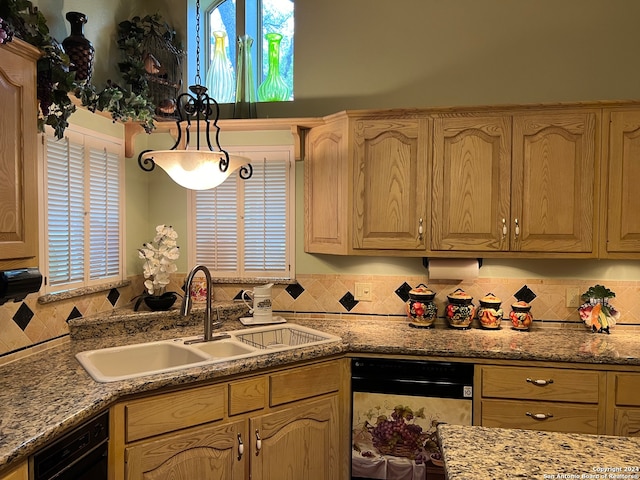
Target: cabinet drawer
(554, 417)
(627, 386)
(626, 422)
(304, 383)
(173, 411)
(541, 384)
(247, 395)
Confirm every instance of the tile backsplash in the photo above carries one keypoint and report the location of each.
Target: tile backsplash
(29, 322)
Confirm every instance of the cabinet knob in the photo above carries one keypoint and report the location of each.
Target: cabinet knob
(240, 447)
(504, 227)
(540, 382)
(420, 229)
(539, 416)
(258, 442)
(517, 228)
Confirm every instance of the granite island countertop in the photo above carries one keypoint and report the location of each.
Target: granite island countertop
(477, 453)
(48, 393)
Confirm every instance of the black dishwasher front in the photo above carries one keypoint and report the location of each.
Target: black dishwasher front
(396, 407)
(80, 455)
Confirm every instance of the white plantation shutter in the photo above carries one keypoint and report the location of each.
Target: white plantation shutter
(265, 217)
(83, 211)
(243, 228)
(104, 214)
(65, 211)
(217, 227)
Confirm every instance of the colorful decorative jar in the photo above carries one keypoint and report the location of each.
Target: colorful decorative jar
(521, 316)
(489, 312)
(460, 309)
(421, 309)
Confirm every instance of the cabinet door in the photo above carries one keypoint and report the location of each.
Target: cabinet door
(554, 195)
(205, 453)
(298, 442)
(626, 422)
(471, 184)
(19, 472)
(326, 174)
(18, 156)
(390, 184)
(623, 205)
(624, 405)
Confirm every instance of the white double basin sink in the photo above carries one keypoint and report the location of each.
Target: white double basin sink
(132, 361)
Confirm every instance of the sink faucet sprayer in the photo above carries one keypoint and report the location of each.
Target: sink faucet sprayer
(186, 301)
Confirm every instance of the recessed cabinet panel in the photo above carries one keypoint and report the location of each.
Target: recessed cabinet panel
(471, 183)
(390, 184)
(623, 226)
(554, 182)
(195, 454)
(326, 196)
(298, 442)
(18, 156)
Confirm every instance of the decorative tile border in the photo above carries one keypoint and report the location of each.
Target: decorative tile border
(30, 322)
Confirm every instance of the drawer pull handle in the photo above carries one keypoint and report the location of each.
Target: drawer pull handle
(540, 382)
(240, 447)
(258, 443)
(539, 416)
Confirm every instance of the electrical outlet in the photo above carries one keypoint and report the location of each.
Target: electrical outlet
(573, 297)
(363, 292)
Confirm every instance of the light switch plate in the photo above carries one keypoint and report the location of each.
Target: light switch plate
(573, 297)
(363, 292)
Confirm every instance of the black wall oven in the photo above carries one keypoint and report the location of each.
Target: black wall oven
(396, 407)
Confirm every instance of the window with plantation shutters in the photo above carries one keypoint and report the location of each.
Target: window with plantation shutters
(83, 204)
(244, 228)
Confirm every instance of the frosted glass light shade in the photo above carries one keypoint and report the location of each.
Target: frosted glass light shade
(195, 169)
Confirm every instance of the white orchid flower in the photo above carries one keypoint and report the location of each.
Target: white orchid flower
(159, 256)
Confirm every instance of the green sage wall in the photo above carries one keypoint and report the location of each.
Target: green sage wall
(414, 53)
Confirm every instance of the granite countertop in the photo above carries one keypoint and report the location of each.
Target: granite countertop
(470, 453)
(47, 393)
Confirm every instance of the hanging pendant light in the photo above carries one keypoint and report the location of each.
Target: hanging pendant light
(193, 162)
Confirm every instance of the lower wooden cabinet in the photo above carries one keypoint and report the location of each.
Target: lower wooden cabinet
(284, 424)
(19, 472)
(623, 413)
(211, 451)
(541, 398)
(298, 442)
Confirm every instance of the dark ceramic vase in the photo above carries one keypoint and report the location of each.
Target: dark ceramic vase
(79, 48)
(159, 303)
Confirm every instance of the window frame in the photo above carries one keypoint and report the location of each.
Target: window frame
(89, 139)
(253, 152)
(248, 22)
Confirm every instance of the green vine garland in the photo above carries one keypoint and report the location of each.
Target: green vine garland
(56, 81)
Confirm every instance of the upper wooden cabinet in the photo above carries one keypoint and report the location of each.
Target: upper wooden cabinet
(522, 182)
(326, 188)
(366, 183)
(471, 184)
(552, 181)
(390, 184)
(621, 168)
(18, 156)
